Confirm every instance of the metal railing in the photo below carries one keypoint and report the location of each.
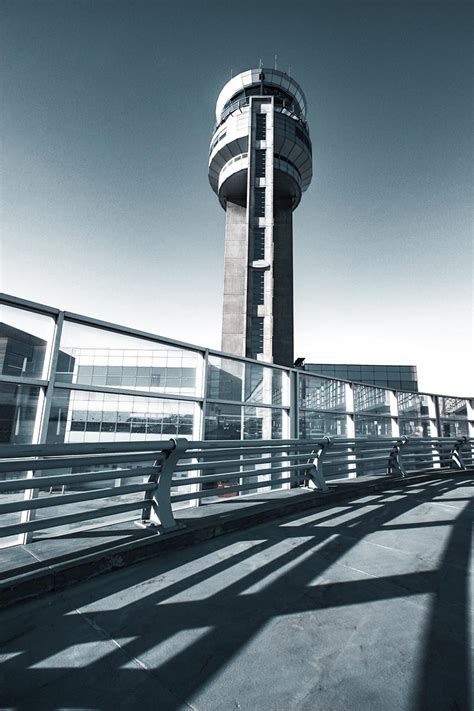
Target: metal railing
(102, 480)
(288, 109)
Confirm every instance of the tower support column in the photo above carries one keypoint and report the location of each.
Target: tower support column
(234, 314)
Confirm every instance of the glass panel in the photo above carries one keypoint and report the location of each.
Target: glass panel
(18, 413)
(372, 427)
(453, 428)
(263, 385)
(318, 394)
(18, 416)
(314, 425)
(25, 341)
(454, 407)
(415, 427)
(223, 422)
(93, 356)
(80, 416)
(413, 405)
(371, 400)
(233, 422)
(245, 382)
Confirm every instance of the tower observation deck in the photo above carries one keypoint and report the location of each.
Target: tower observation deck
(260, 163)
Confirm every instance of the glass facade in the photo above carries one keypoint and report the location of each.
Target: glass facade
(108, 382)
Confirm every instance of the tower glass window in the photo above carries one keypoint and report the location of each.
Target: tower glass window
(259, 243)
(256, 340)
(258, 287)
(259, 203)
(261, 127)
(260, 163)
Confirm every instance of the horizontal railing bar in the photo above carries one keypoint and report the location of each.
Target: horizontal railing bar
(360, 450)
(228, 490)
(38, 524)
(236, 452)
(407, 457)
(49, 450)
(237, 474)
(331, 462)
(65, 499)
(239, 462)
(42, 464)
(243, 444)
(43, 482)
(18, 380)
(28, 305)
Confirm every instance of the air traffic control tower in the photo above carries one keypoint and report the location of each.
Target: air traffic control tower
(259, 165)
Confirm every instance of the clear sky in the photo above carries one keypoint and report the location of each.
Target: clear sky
(108, 109)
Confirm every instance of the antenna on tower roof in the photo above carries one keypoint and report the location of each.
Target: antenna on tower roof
(260, 66)
(289, 70)
(231, 73)
(276, 61)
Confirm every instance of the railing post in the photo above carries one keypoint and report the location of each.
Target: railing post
(350, 428)
(457, 461)
(395, 463)
(315, 471)
(157, 509)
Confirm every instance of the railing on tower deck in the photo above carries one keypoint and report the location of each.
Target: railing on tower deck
(286, 108)
(55, 488)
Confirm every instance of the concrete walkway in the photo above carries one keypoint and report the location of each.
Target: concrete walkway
(364, 605)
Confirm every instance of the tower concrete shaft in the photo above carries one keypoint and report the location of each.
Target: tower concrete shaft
(259, 165)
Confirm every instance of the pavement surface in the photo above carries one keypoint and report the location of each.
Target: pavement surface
(360, 604)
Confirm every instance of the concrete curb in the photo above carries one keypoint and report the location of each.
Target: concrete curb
(49, 578)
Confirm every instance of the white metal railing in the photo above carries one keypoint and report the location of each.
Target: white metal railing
(148, 477)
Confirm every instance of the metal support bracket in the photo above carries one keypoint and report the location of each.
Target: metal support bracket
(457, 461)
(157, 512)
(315, 470)
(396, 466)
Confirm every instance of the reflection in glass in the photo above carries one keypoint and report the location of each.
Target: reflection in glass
(315, 425)
(413, 405)
(454, 428)
(318, 394)
(25, 340)
(454, 407)
(80, 416)
(18, 413)
(244, 382)
(371, 400)
(93, 356)
(234, 422)
(414, 427)
(225, 379)
(372, 426)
